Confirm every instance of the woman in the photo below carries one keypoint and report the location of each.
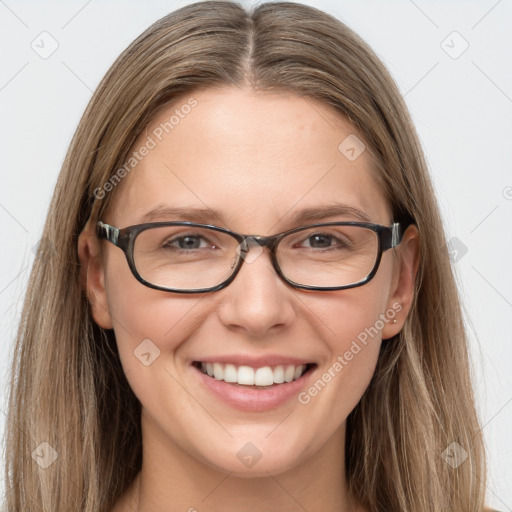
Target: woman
(251, 304)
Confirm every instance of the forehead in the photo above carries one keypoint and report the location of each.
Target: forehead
(256, 158)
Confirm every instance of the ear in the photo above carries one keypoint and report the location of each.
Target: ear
(403, 282)
(92, 275)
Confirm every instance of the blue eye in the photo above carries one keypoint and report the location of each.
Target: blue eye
(187, 242)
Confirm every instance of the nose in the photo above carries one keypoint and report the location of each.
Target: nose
(257, 300)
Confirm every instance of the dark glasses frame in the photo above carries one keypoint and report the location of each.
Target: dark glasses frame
(388, 237)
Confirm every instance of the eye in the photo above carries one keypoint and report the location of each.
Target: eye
(187, 242)
(319, 240)
(323, 241)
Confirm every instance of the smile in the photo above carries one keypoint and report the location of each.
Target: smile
(264, 376)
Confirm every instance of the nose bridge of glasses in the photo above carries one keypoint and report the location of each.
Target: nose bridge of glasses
(257, 241)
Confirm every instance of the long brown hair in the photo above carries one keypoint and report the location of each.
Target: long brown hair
(68, 388)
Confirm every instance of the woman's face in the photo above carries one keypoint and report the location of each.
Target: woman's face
(257, 160)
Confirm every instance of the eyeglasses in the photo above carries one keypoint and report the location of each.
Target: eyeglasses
(186, 257)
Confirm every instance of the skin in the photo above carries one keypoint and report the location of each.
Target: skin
(258, 159)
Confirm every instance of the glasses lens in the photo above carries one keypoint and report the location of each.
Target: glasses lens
(194, 258)
(328, 256)
(184, 257)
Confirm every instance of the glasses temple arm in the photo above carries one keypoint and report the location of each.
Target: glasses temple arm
(396, 234)
(108, 232)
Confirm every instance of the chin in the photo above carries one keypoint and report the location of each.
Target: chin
(252, 459)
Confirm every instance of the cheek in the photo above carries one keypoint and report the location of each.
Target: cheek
(354, 348)
(148, 323)
(353, 321)
(139, 312)
(356, 317)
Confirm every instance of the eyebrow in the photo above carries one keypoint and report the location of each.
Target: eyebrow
(209, 215)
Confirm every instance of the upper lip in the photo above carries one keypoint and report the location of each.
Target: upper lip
(255, 361)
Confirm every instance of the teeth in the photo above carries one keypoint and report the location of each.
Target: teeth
(278, 374)
(289, 373)
(247, 376)
(264, 376)
(230, 373)
(218, 371)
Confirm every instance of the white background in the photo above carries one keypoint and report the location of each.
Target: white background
(462, 108)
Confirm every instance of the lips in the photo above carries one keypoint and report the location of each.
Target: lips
(246, 394)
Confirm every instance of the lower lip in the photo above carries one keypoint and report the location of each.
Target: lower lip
(250, 398)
